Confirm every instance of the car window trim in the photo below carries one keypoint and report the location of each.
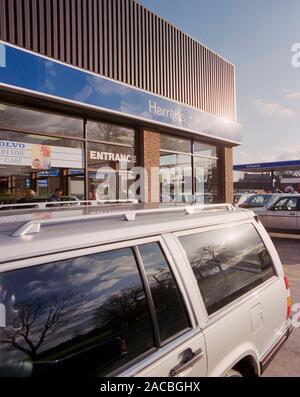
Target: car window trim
(148, 293)
(183, 299)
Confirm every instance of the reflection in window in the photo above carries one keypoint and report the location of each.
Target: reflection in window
(110, 133)
(201, 149)
(38, 139)
(171, 143)
(85, 316)
(188, 171)
(227, 263)
(206, 180)
(33, 166)
(110, 177)
(176, 178)
(33, 120)
(170, 312)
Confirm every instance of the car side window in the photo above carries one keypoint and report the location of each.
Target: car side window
(259, 200)
(87, 315)
(286, 204)
(227, 263)
(170, 311)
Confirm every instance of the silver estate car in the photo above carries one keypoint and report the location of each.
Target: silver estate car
(283, 215)
(163, 292)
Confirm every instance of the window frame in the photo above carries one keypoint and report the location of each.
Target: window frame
(150, 298)
(210, 318)
(155, 353)
(193, 157)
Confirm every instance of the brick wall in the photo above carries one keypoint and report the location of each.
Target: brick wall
(150, 149)
(225, 175)
(228, 174)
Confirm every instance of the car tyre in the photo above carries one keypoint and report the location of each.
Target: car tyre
(233, 374)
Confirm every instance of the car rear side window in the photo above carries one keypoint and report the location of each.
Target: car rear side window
(87, 315)
(227, 263)
(287, 204)
(170, 311)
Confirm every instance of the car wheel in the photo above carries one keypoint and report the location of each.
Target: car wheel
(233, 374)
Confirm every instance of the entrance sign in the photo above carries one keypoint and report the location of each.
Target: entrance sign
(114, 157)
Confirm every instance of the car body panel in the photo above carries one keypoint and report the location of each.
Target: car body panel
(247, 327)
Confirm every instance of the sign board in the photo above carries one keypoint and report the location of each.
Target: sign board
(39, 157)
(25, 70)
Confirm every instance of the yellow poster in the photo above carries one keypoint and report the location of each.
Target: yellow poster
(41, 157)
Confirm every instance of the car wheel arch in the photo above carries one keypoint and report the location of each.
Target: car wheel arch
(247, 361)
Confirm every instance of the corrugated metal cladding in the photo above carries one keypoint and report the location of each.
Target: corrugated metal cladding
(125, 41)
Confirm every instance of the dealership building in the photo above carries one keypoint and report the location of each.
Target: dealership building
(88, 87)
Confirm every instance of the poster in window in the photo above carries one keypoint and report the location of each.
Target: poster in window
(41, 157)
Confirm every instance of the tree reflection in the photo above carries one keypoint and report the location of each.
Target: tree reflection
(123, 309)
(111, 133)
(211, 259)
(37, 320)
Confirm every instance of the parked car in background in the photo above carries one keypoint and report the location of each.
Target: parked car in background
(259, 201)
(190, 291)
(283, 215)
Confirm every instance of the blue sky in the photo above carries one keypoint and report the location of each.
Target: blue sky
(257, 36)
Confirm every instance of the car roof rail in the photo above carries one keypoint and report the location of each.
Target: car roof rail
(34, 226)
(41, 205)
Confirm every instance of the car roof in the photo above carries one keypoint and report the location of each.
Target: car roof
(65, 230)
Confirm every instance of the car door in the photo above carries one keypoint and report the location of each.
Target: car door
(118, 309)
(181, 351)
(283, 215)
(232, 267)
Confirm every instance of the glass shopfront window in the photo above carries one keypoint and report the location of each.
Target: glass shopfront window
(97, 131)
(42, 151)
(206, 181)
(184, 177)
(173, 144)
(176, 178)
(111, 155)
(92, 160)
(203, 150)
(17, 118)
(33, 166)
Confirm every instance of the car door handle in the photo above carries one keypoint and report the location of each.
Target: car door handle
(187, 364)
